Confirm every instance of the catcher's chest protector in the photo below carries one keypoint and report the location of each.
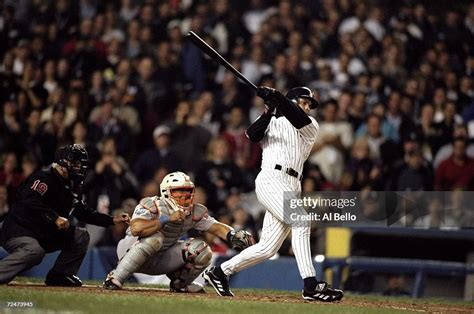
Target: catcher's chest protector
(172, 231)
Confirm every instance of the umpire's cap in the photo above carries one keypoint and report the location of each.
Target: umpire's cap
(302, 92)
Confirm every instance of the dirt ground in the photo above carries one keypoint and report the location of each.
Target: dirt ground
(275, 297)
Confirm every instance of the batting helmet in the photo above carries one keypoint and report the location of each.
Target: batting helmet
(302, 92)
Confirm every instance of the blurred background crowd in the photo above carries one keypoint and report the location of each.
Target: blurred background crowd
(394, 78)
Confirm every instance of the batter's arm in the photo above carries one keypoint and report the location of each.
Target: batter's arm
(256, 131)
(297, 117)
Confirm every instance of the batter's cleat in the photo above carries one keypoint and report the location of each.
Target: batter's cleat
(191, 288)
(111, 283)
(62, 280)
(219, 282)
(323, 292)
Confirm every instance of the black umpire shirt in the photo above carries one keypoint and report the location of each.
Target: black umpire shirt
(40, 200)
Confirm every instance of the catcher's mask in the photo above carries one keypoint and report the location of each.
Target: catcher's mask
(302, 92)
(177, 190)
(74, 158)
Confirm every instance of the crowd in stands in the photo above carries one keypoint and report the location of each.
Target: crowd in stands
(395, 82)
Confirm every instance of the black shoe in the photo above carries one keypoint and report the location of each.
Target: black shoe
(220, 283)
(111, 283)
(323, 292)
(63, 280)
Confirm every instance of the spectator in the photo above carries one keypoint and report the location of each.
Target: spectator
(446, 126)
(399, 121)
(335, 137)
(111, 182)
(219, 175)
(128, 10)
(388, 130)
(29, 165)
(202, 113)
(149, 189)
(363, 169)
(9, 174)
(412, 174)
(232, 95)
(457, 171)
(459, 131)
(436, 217)
(245, 153)
(241, 220)
(374, 136)
(255, 67)
(189, 141)
(97, 91)
(103, 122)
(355, 113)
(10, 127)
(427, 128)
(160, 155)
(282, 80)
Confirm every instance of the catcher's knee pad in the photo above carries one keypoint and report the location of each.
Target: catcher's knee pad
(196, 252)
(152, 244)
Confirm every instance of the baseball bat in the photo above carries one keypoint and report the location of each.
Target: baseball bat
(204, 47)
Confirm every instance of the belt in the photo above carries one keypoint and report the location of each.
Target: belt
(289, 171)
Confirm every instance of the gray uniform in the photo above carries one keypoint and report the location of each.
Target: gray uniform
(163, 252)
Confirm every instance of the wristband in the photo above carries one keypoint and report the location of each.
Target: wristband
(229, 236)
(164, 219)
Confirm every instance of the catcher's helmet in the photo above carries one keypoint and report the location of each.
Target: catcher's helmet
(174, 181)
(302, 92)
(74, 158)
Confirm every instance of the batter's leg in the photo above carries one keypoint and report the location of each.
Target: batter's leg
(300, 242)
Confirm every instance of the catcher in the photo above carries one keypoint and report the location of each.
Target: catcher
(152, 244)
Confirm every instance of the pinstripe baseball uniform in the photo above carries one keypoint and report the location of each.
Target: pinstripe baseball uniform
(285, 149)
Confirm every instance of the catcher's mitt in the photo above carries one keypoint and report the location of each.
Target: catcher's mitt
(240, 240)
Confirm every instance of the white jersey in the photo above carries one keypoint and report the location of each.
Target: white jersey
(285, 145)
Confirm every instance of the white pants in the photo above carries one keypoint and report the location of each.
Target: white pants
(272, 187)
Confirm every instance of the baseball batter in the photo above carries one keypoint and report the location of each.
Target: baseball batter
(152, 246)
(286, 137)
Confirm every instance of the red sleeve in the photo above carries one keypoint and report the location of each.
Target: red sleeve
(100, 48)
(69, 48)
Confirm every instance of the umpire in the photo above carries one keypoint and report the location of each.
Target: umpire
(39, 221)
